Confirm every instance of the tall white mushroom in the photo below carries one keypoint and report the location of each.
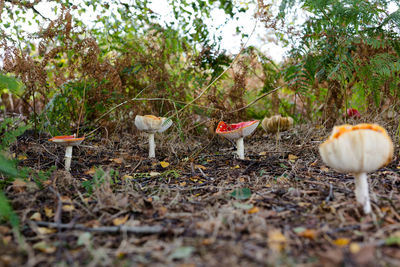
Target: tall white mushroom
(358, 149)
(237, 131)
(68, 141)
(152, 124)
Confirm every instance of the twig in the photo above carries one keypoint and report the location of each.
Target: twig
(57, 215)
(156, 229)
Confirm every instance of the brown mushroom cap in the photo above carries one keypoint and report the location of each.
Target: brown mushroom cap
(150, 123)
(277, 123)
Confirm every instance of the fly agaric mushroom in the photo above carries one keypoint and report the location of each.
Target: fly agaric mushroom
(152, 124)
(353, 113)
(277, 124)
(237, 132)
(69, 141)
(358, 149)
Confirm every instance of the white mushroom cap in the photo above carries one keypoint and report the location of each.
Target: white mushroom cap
(237, 130)
(357, 149)
(277, 123)
(150, 123)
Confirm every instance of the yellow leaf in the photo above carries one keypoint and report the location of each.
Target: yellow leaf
(324, 169)
(22, 157)
(117, 160)
(91, 171)
(341, 242)
(48, 212)
(36, 216)
(127, 177)
(292, 157)
(354, 248)
(182, 184)
(45, 230)
(308, 233)
(68, 207)
(236, 167)
(164, 164)
(253, 210)
(276, 240)
(120, 220)
(200, 166)
(262, 153)
(44, 247)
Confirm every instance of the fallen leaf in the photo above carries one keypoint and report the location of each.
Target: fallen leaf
(264, 153)
(36, 217)
(120, 220)
(354, 247)
(307, 233)
(243, 206)
(22, 157)
(292, 157)
(4, 230)
(48, 212)
(117, 160)
(19, 185)
(276, 240)
(341, 242)
(91, 171)
(241, 193)
(200, 166)
(181, 253)
(164, 164)
(44, 247)
(236, 167)
(324, 169)
(45, 230)
(182, 184)
(253, 210)
(153, 174)
(125, 177)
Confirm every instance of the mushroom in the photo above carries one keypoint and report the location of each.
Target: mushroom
(152, 124)
(352, 113)
(69, 141)
(277, 124)
(358, 149)
(237, 132)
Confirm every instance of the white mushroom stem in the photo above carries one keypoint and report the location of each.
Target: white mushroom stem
(362, 194)
(152, 146)
(240, 147)
(68, 157)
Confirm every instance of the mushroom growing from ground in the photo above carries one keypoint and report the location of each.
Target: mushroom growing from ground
(152, 124)
(68, 141)
(277, 124)
(358, 149)
(237, 131)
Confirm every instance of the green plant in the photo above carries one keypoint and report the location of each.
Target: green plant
(99, 178)
(8, 169)
(10, 129)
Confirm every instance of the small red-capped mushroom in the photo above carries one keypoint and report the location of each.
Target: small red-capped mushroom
(237, 131)
(68, 141)
(353, 113)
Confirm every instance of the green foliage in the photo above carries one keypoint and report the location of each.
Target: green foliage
(10, 129)
(11, 84)
(7, 167)
(6, 212)
(241, 193)
(99, 178)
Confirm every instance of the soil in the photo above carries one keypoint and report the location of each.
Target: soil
(197, 205)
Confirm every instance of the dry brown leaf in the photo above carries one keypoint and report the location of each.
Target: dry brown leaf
(4, 229)
(292, 157)
(36, 216)
(200, 166)
(44, 247)
(19, 185)
(308, 233)
(45, 230)
(91, 171)
(120, 220)
(117, 160)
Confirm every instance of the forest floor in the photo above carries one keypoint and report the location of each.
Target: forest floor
(196, 205)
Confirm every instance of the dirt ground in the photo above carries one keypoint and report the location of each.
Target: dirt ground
(196, 205)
